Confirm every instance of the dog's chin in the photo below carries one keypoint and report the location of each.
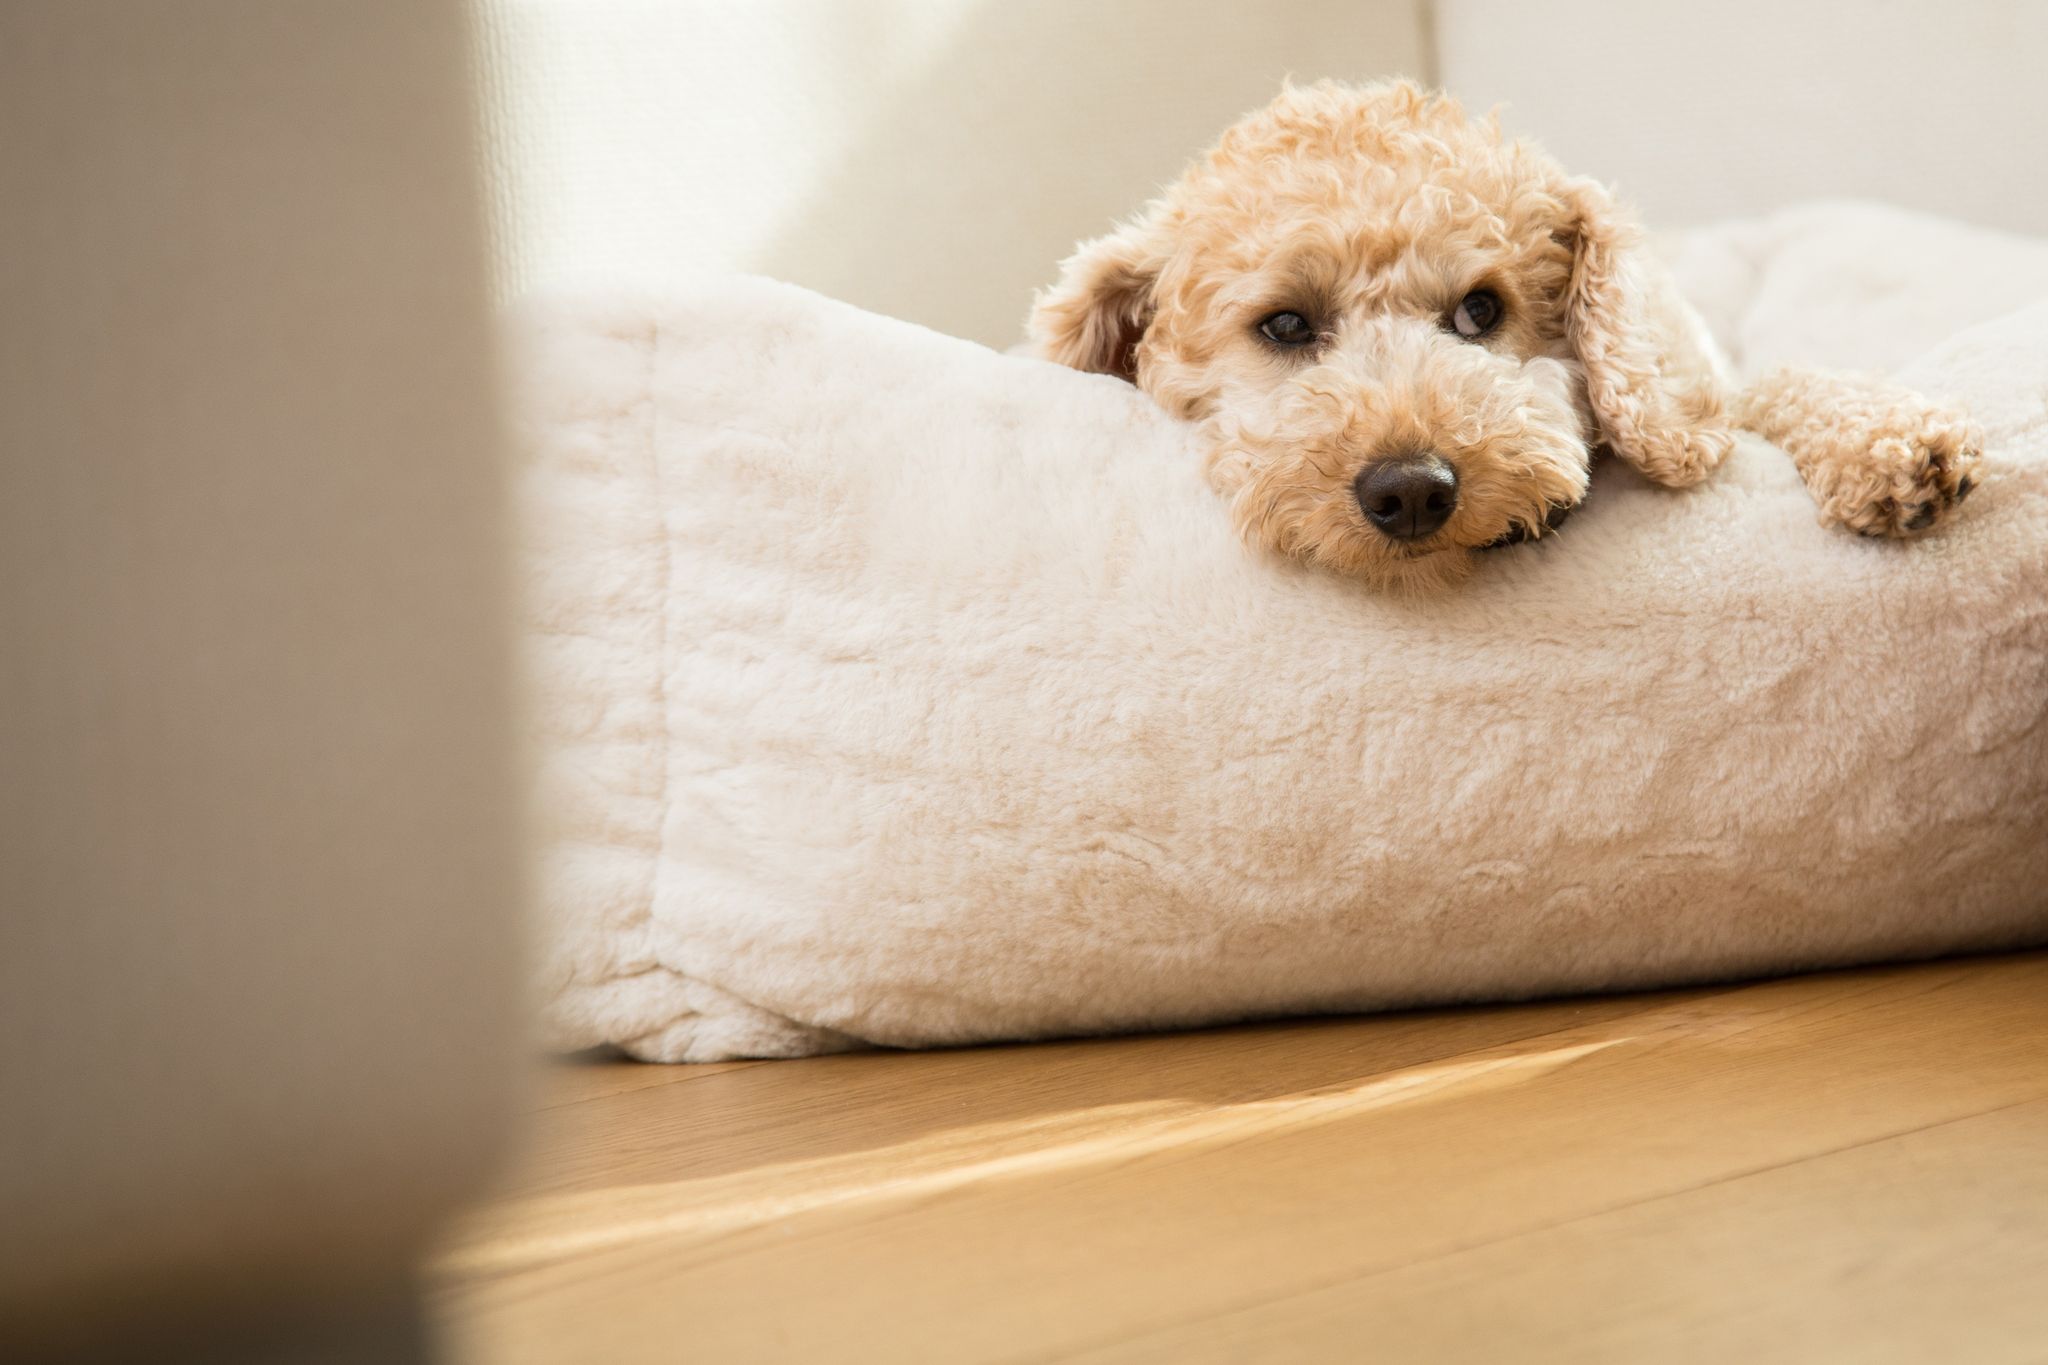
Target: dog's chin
(1418, 573)
(1408, 568)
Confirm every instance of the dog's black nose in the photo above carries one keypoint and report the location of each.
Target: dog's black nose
(1408, 497)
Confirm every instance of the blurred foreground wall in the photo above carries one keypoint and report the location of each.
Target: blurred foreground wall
(258, 856)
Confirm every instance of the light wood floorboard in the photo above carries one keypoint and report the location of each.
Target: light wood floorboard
(1850, 1166)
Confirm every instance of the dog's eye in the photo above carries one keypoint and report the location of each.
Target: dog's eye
(1478, 313)
(1287, 329)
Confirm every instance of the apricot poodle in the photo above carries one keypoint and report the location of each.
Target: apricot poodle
(1405, 337)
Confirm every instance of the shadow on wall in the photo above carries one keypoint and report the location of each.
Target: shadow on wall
(1038, 125)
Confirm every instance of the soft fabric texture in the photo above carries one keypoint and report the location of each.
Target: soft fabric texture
(890, 690)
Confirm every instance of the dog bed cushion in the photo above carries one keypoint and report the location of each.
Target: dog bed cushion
(892, 691)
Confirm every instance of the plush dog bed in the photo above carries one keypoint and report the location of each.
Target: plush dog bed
(890, 690)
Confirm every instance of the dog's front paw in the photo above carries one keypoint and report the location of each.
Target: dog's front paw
(1912, 474)
(1879, 459)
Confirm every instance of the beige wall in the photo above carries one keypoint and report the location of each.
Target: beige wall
(259, 863)
(932, 159)
(1704, 111)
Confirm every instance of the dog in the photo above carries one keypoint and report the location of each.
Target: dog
(1405, 338)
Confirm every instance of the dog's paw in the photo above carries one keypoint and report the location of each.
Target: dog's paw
(1895, 473)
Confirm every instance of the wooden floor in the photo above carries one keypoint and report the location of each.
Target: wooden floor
(1848, 1167)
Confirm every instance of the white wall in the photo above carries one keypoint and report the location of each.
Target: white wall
(1704, 111)
(932, 159)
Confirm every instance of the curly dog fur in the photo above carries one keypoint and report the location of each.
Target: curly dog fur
(1311, 292)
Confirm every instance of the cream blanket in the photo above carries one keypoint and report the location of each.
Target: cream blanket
(890, 690)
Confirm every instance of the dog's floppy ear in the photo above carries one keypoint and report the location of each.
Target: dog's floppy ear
(1094, 317)
(1652, 380)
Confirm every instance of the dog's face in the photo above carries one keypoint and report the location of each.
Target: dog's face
(1385, 318)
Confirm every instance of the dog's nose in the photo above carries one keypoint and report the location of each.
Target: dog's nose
(1408, 497)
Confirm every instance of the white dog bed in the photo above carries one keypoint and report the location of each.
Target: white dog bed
(894, 691)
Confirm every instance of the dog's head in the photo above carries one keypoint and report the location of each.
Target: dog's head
(1403, 334)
